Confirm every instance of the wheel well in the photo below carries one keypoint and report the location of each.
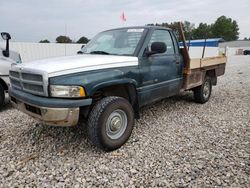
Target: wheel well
(127, 91)
(3, 84)
(212, 75)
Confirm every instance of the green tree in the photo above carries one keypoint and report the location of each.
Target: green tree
(83, 40)
(187, 26)
(44, 41)
(175, 27)
(202, 31)
(63, 39)
(189, 29)
(225, 28)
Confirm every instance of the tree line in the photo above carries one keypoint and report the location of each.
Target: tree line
(66, 39)
(223, 27)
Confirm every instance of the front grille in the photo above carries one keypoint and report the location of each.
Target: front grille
(33, 87)
(16, 83)
(29, 82)
(35, 77)
(14, 74)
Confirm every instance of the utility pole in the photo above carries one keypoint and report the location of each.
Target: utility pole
(65, 36)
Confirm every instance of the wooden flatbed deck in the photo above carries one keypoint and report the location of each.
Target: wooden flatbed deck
(213, 66)
(206, 62)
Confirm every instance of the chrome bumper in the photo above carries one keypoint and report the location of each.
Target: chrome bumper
(49, 116)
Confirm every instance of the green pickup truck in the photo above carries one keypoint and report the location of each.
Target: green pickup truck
(116, 73)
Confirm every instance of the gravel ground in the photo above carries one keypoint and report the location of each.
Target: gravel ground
(176, 143)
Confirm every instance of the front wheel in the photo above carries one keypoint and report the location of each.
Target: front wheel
(2, 96)
(110, 123)
(202, 93)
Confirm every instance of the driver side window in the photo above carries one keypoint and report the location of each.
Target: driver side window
(162, 36)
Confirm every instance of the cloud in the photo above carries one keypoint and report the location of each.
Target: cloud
(29, 20)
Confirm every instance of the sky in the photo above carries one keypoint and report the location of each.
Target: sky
(32, 20)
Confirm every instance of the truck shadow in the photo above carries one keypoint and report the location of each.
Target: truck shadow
(183, 97)
(186, 96)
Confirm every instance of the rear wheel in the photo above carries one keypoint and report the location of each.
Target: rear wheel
(2, 96)
(110, 123)
(202, 93)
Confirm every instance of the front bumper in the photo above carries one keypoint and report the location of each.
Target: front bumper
(49, 116)
(50, 111)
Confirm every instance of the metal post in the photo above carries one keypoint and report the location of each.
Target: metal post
(204, 46)
(188, 44)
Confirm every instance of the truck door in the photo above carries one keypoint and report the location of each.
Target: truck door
(161, 74)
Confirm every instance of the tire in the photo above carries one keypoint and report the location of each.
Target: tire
(2, 96)
(202, 93)
(110, 123)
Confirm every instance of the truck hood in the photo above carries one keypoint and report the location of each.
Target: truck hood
(78, 63)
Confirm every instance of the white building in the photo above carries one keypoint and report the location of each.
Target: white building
(235, 47)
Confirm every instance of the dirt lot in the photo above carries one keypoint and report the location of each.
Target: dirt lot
(175, 143)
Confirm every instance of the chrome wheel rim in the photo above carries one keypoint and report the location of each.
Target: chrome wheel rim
(206, 89)
(116, 124)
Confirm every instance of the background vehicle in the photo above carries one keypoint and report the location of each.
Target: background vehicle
(119, 71)
(7, 58)
(246, 52)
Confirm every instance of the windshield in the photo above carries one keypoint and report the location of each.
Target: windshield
(114, 42)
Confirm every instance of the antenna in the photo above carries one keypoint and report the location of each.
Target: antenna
(65, 36)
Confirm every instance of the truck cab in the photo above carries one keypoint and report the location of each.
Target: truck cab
(7, 58)
(116, 73)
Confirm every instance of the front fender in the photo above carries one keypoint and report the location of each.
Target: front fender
(111, 83)
(94, 80)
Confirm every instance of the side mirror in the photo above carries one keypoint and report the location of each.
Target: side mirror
(157, 48)
(7, 37)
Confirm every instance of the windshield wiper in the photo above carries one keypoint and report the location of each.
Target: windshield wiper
(99, 52)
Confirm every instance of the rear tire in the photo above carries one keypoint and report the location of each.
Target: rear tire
(2, 96)
(202, 93)
(110, 123)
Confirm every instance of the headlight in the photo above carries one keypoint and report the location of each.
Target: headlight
(67, 91)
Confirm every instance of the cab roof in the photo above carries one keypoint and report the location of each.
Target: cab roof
(141, 27)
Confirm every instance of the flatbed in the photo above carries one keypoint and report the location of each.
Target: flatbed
(195, 69)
